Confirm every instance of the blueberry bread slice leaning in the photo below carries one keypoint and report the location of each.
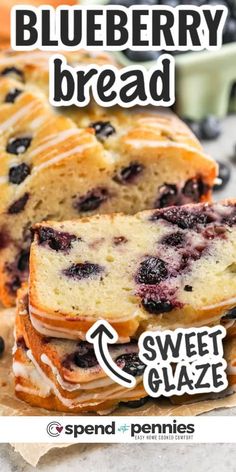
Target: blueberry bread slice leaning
(158, 269)
(51, 169)
(64, 375)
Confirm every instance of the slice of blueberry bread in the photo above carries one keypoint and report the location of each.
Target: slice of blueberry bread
(51, 169)
(64, 375)
(166, 268)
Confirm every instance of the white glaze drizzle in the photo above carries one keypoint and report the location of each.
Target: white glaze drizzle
(53, 140)
(142, 143)
(77, 150)
(16, 117)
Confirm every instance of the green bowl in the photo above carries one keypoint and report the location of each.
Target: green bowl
(204, 80)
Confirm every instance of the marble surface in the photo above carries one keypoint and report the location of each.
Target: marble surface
(142, 457)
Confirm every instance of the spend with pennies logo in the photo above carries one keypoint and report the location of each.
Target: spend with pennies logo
(54, 429)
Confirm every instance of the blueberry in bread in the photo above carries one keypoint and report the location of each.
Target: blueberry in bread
(167, 268)
(53, 169)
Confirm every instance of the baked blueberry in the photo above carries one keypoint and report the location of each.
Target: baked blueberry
(118, 240)
(152, 270)
(194, 189)
(129, 173)
(168, 195)
(229, 219)
(18, 174)
(131, 364)
(230, 315)
(18, 145)
(156, 307)
(13, 285)
(135, 403)
(18, 205)
(103, 129)
(20, 343)
(92, 201)
(84, 357)
(2, 346)
(56, 240)
(184, 219)
(12, 95)
(83, 270)
(23, 260)
(4, 238)
(188, 288)
(177, 239)
(85, 361)
(13, 70)
(223, 176)
(46, 340)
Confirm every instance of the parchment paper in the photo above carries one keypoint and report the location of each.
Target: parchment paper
(11, 406)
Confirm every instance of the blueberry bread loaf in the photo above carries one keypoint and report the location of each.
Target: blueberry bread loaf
(64, 375)
(167, 268)
(51, 169)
